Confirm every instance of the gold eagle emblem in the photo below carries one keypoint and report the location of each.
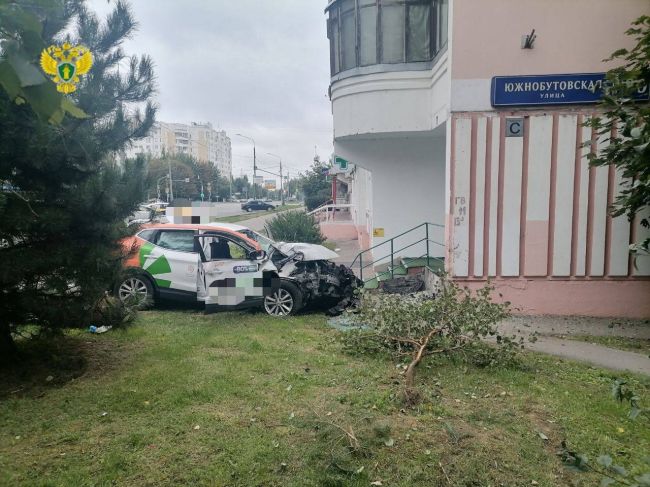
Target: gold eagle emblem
(65, 64)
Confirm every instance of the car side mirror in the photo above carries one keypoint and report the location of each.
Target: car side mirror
(257, 255)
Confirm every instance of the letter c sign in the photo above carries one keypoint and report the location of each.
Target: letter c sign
(514, 127)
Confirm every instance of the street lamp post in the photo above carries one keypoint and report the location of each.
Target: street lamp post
(158, 187)
(254, 162)
(281, 179)
(171, 188)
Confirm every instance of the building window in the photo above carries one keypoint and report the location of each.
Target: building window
(368, 32)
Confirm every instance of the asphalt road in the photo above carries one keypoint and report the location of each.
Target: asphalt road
(232, 209)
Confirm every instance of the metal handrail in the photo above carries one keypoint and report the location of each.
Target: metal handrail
(403, 248)
(330, 206)
(391, 242)
(328, 202)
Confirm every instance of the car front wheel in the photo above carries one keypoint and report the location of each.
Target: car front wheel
(135, 290)
(286, 301)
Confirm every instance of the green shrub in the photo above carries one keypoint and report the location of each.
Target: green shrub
(294, 226)
(313, 201)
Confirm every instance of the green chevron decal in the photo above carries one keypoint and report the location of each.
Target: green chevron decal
(159, 266)
(145, 250)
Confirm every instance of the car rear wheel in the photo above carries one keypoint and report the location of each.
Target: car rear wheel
(249, 210)
(286, 301)
(135, 290)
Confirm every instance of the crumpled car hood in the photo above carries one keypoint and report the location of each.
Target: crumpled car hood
(310, 251)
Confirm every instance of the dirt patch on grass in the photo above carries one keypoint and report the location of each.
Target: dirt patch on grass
(46, 363)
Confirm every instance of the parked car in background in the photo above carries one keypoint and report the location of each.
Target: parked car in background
(257, 205)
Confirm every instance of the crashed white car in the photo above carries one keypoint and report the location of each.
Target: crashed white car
(228, 266)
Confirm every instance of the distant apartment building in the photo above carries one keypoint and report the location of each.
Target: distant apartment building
(199, 140)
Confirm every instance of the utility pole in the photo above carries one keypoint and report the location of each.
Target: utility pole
(171, 186)
(254, 162)
(281, 179)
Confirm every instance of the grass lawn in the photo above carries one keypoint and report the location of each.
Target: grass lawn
(255, 214)
(241, 399)
(638, 345)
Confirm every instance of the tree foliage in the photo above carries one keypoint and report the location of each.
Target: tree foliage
(626, 123)
(314, 185)
(64, 197)
(24, 27)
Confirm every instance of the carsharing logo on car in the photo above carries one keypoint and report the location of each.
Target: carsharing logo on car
(241, 269)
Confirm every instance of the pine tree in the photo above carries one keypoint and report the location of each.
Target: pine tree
(64, 197)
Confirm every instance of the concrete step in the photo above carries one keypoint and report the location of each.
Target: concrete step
(435, 263)
(371, 284)
(400, 270)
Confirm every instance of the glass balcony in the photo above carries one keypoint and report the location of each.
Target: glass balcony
(385, 35)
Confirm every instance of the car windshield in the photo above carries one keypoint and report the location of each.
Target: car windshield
(264, 242)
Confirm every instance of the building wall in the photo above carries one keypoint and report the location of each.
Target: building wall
(530, 208)
(572, 37)
(528, 212)
(408, 185)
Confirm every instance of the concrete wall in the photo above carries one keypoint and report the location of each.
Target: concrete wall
(408, 184)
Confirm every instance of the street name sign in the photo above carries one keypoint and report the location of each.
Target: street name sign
(552, 89)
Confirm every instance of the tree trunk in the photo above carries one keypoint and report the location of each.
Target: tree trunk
(411, 394)
(7, 345)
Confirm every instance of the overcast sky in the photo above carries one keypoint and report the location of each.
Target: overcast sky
(255, 67)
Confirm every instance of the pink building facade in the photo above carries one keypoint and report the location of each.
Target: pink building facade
(521, 205)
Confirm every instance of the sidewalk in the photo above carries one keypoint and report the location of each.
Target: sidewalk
(552, 331)
(347, 250)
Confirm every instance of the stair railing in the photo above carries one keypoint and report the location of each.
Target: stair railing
(391, 243)
(329, 208)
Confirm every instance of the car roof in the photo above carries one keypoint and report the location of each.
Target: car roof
(230, 226)
(207, 227)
